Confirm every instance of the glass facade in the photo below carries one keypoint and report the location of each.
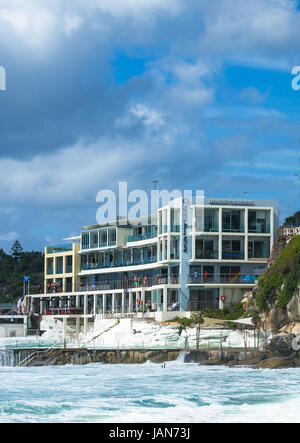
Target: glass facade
(233, 220)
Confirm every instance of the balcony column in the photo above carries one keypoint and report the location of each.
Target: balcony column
(95, 303)
(85, 320)
(41, 306)
(65, 327)
(220, 246)
(104, 302)
(123, 301)
(221, 303)
(113, 303)
(85, 304)
(130, 302)
(77, 326)
(246, 234)
(77, 303)
(165, 299)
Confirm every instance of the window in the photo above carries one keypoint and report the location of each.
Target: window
(258, 248)
(232, 221)
(205, 249)
(259, 222)
(85, 240)
(232, 250)
(211, 220)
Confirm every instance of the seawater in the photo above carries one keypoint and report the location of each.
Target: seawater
(148, 393)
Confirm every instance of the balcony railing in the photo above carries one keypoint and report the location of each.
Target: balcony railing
(222, 279)
(119, 264)
(207, 255)
(141, 237)
(139, 282)
(233, 255)
(59, 248)
(259, 229)
(232, 229)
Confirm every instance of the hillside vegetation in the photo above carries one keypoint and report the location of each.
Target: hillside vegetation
(281, 281)
(14, 266)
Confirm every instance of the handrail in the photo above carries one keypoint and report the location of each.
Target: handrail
(30, 357)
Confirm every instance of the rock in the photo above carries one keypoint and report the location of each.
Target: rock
(253, 360)
(278, 363)
(281, 344)
(277, 318)
(293, 309)
(291, 328)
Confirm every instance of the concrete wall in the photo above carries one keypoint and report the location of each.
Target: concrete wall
(13, 330)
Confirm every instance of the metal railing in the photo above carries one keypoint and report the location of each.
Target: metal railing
(222, 278)
(119, 263)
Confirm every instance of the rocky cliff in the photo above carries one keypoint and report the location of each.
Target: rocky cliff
(274, 303)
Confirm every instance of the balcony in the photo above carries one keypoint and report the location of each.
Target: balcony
(207, 255)
(141, 282)
(233, 255)
(119, 264)
(230, 279)
(59, 248)
(140, 237)
(259, 229)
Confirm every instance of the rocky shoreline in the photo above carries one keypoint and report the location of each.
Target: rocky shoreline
(280, 353)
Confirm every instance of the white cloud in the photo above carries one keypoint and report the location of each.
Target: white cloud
(72, 24)
(74, 174)
(9, 236)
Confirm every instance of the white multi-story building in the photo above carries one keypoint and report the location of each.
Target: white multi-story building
(187, 257)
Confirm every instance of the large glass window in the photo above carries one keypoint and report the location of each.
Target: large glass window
(233, 220)
(85, 240)
(258, 248)
(174, 253)
(94, 239)
(211, 220)
(205, 249)
(259, 222)
(69, 261)
(59, 265)
(103, 238)
(112, 237)
(232, 249)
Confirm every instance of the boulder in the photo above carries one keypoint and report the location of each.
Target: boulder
(277, 318)
(291, 328)
(282, 344)
(278, 363)
(293, 309)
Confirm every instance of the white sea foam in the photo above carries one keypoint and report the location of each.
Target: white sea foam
(149, 393)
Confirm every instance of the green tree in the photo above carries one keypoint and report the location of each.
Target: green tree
(16, 250)
(293, 219)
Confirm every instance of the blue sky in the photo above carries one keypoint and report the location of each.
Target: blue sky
(196, 94)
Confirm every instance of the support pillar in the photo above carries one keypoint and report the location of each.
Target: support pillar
(130, 302)
(77, 326)
(95, 304)
(65, 327)
(165, 299)
(221, 303)
(113, 303)
(85, 320)
(123, 302)
(104, 303)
